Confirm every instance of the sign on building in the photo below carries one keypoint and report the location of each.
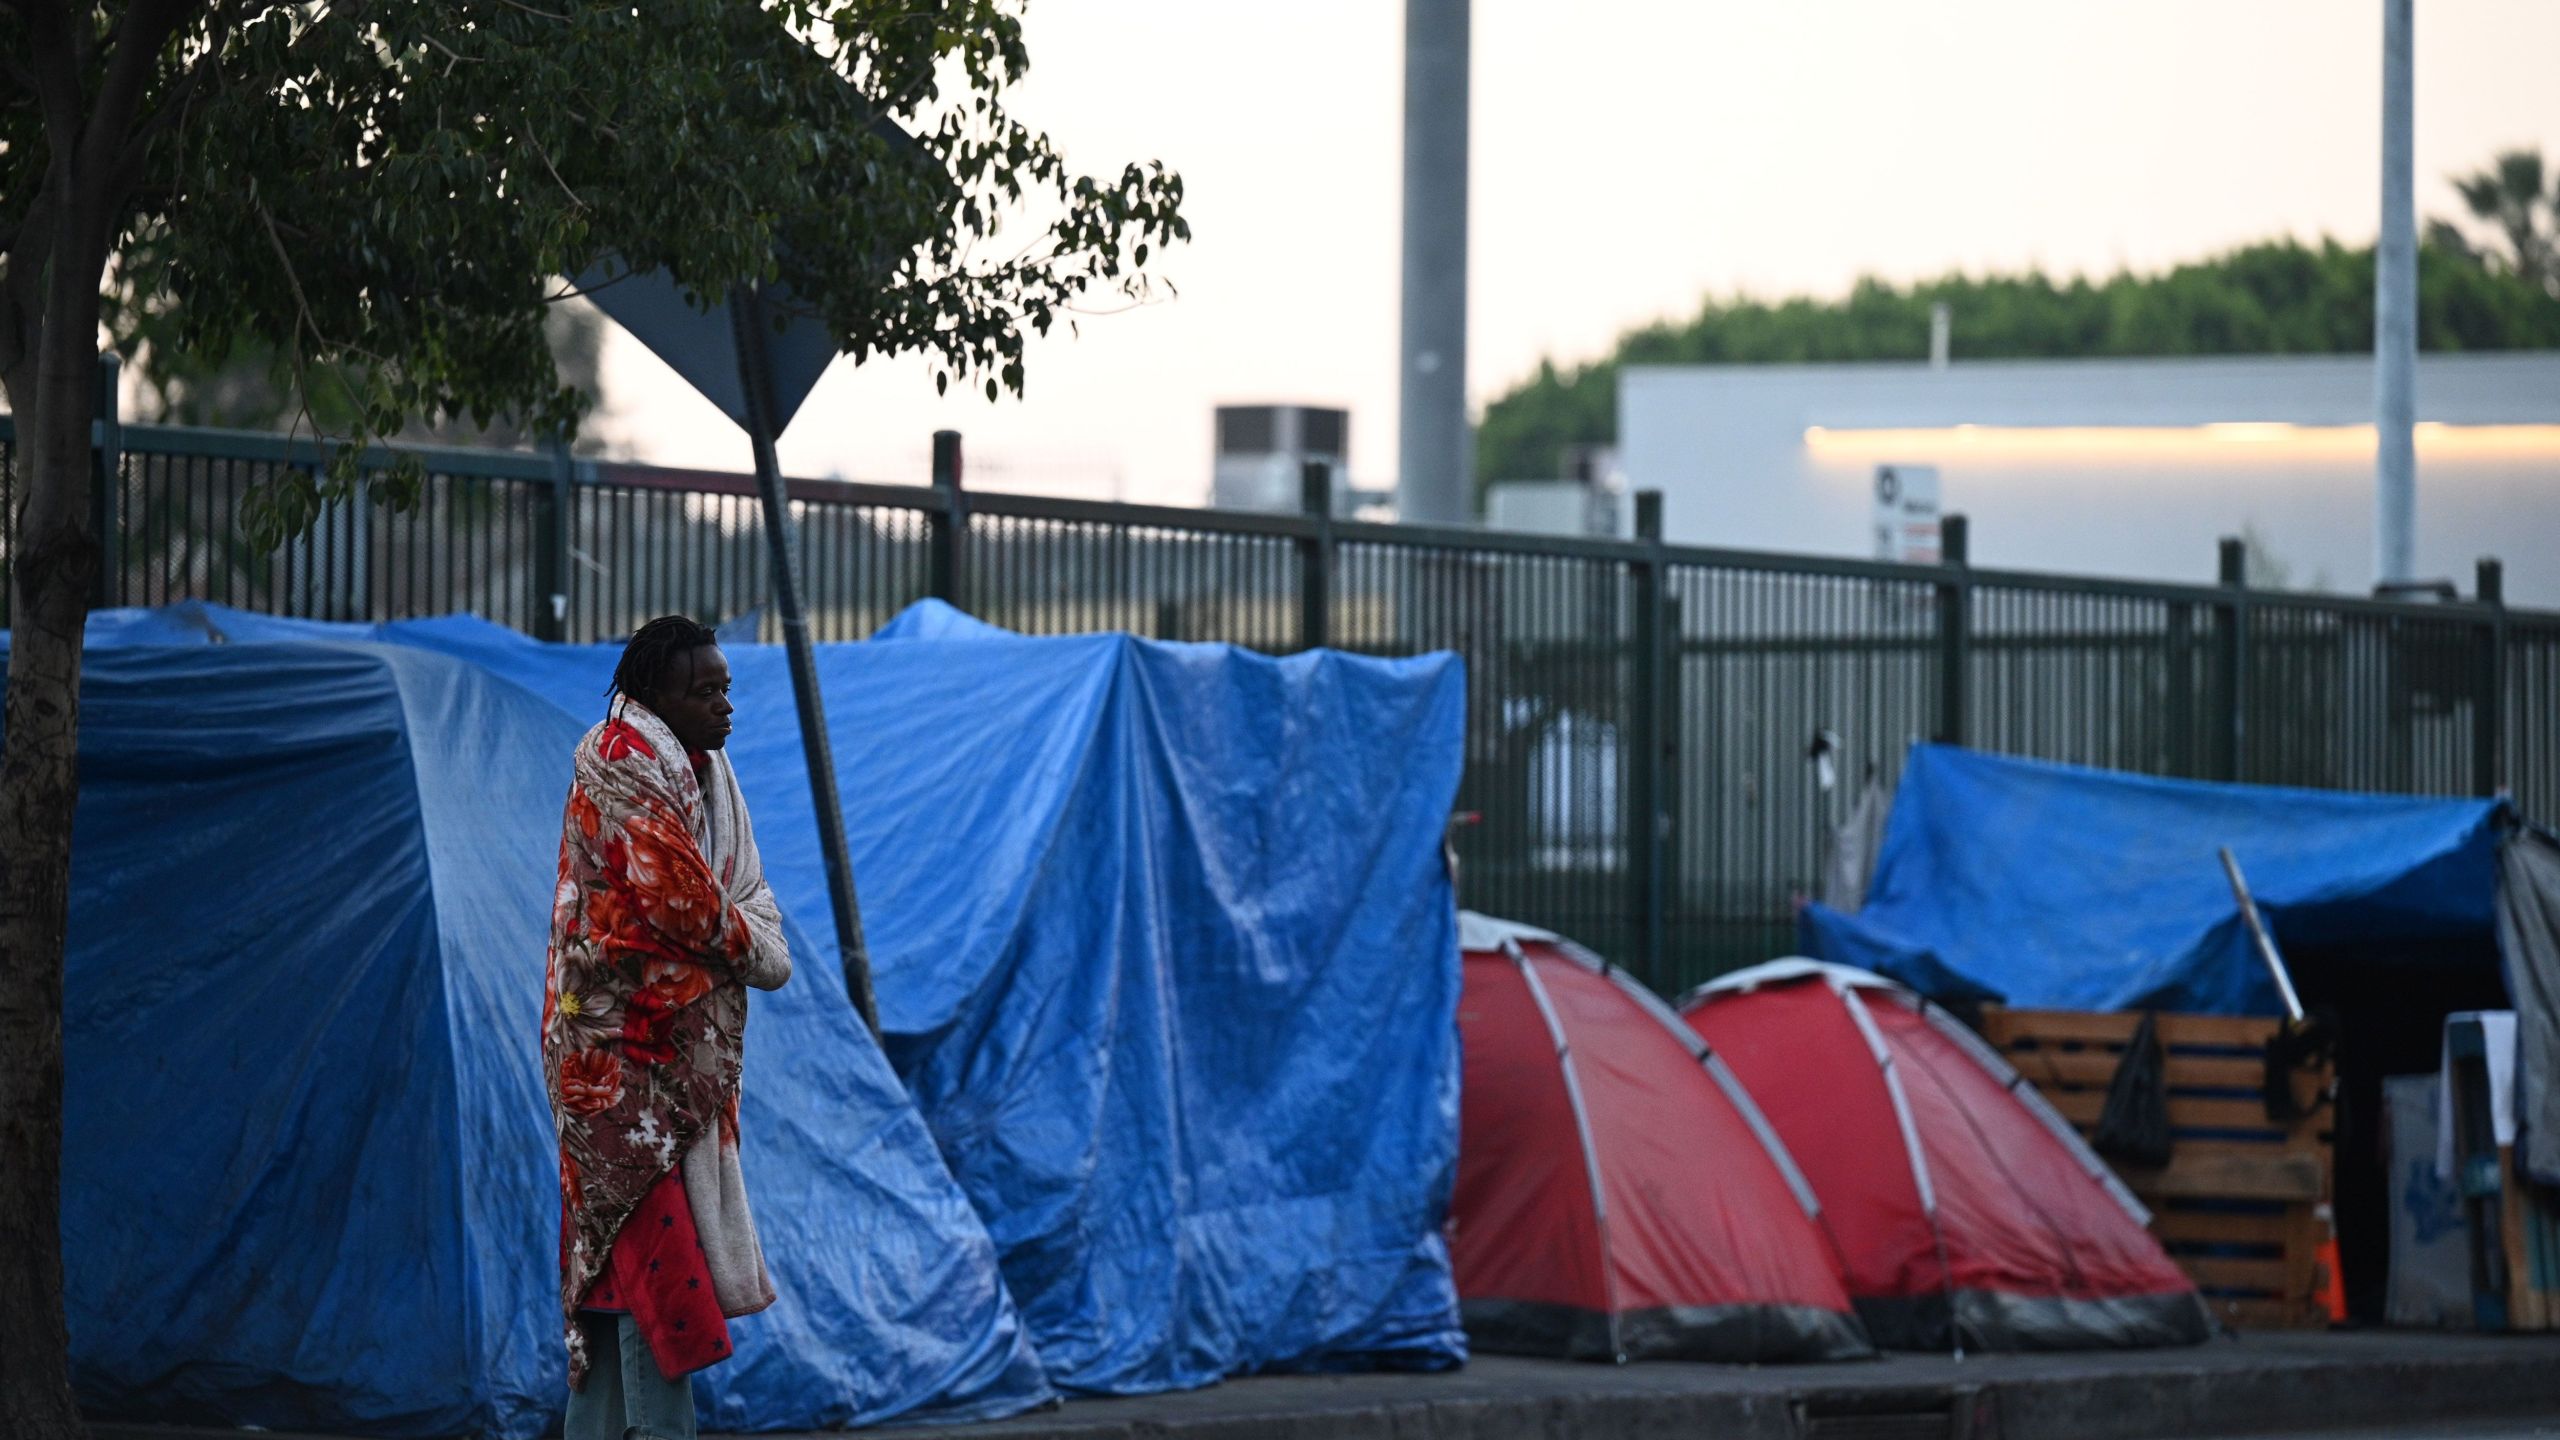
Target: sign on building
(1906, 514)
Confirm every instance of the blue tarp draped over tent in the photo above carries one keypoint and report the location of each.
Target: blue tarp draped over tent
(1163, 947)
(1191, 1019)
(1165, 953)
(308, 1173)
(2058, 886)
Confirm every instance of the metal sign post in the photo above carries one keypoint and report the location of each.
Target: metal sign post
(758, 372)
(755, 374)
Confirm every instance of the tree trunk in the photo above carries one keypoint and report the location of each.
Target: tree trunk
(55, 560)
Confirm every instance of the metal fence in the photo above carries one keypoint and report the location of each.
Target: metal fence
(1639, 713)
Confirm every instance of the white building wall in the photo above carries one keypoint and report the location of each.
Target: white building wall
(2132, 468)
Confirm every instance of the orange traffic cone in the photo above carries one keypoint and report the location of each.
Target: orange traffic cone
(2333, 1286)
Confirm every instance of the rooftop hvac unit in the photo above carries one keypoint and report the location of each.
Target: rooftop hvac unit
(1590, 501)
(1263, 448)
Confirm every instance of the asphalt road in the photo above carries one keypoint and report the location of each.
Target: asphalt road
(2448, 1431)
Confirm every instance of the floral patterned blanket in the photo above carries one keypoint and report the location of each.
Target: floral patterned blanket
(661, 898)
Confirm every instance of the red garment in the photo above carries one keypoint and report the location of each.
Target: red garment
(657, 1273)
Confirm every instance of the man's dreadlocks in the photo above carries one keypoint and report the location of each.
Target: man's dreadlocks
(652, 648)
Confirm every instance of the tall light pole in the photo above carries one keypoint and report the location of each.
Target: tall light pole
(1432, 450)
(2395, 319)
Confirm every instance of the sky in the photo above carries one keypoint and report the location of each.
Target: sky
(1630, 158)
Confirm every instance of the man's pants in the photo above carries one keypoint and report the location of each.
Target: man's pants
(626, 1398)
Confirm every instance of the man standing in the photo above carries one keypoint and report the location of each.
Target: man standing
(661, 920)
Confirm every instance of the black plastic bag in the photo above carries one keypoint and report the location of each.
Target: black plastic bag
(2133, 1129)
(2296, 1046)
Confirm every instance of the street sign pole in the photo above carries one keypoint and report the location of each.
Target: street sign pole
(753, 333)
(777, 355)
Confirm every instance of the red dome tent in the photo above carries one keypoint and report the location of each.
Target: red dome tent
(1618, 1196)
(1998, 1229)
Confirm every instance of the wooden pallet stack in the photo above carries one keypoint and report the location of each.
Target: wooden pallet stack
(2241, 1203)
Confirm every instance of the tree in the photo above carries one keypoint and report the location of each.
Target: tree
(2274, 298)
(382, 195)
(2510, 196)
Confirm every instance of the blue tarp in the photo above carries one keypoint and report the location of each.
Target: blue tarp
(1185, 1021)
(2059, 886)
(308, 1172)
(1165, 953)
(1163, 946)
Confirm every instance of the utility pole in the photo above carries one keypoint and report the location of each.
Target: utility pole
(2395, 319)
(1433, 450)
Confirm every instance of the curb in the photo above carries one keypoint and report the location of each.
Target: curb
(2295, 1385)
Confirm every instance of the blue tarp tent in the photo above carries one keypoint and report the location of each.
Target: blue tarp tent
(1188, 1031)
(2058, 886)
(308, 1170)
(1164, 950)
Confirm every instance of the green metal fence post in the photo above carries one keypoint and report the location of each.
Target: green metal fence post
(949, 521)
(553, 512)
(106, 481)
(1669, 668)
(2489, 699)
(1955, 627)
(2181, 687)
(2231, 660)
(1644, 742)
(1315, 556)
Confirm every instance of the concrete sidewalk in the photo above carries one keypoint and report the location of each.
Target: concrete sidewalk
(2264, 1384)
(2256, 1384)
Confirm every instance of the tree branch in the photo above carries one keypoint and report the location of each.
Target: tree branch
(30, 250)
(309, 320)
(140, 37)
(84, 43)
(57, 87)
(293, 279)
(173, 111)
(21, 282)
(536, 142)
(573, 292)
(452, 56)
(301, 370)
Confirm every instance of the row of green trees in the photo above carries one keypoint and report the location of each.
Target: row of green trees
(2497, 292)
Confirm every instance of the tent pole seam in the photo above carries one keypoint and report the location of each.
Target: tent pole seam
(2044, 1216)
(2037, 1105)
(1731, 1084)
(1582, 1129)
(1877, 1050)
